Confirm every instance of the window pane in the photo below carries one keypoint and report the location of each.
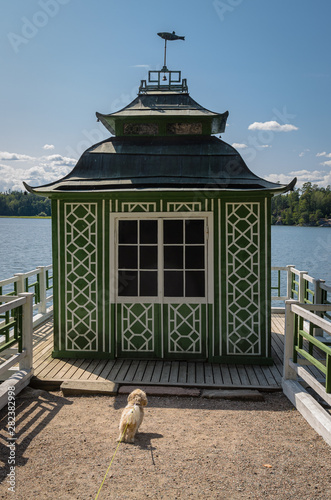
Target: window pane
(194, 284)
(127, 257)
(148, 283)
(127, 283)
(173, 284)
(172, 231)
(148, 257)
(194, 231)
(148, 231)
(127, 231)
(173, 257)
(194, 257)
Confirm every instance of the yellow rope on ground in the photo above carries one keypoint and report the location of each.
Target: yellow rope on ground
(113, 456)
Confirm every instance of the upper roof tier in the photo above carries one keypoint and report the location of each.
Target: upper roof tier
(164, 109)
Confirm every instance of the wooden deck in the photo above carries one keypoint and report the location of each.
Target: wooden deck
(180, 373)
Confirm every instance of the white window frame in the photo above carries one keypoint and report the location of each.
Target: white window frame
(160, 216)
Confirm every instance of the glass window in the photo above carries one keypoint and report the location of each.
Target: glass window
(173, 257)
(148, 283)
(183, 258)
(137, 253)
(173, 283)
(127, 283)
(194, 284)
(194, 257)
(127, 257)
(127, 231)
(148, 231)
(172, 232)
(194, 231)
(148, 257)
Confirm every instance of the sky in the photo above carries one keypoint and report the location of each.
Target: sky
(265, 61)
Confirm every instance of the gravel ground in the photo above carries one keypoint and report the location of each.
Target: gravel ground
(187, 448)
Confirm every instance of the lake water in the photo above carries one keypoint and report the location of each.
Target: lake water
(26, 244)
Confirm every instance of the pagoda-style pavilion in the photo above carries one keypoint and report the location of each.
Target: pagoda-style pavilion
(161, 238)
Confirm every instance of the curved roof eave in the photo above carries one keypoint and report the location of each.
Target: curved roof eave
(84, 187)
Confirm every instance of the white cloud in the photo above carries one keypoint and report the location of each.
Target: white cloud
(272, 126)
(264, 146)
(327, 155)
(4, 155)
(304, 152)
(237, 145)
(48, 146)
(326, 163)
(321, 178)
(34, 171)
(60, 160)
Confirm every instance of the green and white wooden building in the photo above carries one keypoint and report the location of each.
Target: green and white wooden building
(161, 238)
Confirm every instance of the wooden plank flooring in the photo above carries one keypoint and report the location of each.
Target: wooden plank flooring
(183, 373)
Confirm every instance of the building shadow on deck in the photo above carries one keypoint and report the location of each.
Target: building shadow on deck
(273, 401)
(34, 410)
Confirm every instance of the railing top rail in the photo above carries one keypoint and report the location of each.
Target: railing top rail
(279, 268)
(312, 307)
(9, 281)
(325, 287)
(311, 279)
(297, 272)
(29, 273)
(304, 310)
(11, 303)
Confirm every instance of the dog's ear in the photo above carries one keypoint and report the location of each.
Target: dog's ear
(144, 400)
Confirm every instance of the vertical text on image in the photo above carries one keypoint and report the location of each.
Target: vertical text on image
(11, 427)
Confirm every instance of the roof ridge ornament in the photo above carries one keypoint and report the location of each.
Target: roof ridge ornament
(155, 83)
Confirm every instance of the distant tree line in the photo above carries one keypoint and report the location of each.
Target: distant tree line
(308, 206)
(17, 203)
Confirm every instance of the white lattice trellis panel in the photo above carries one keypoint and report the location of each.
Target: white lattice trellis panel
(81, 276)
(137, 331)
(185, 328)
(243, 274)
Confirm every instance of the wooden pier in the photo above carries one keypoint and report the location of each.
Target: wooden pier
(48, 370)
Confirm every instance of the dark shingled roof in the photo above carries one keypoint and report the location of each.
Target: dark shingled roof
(161, 162)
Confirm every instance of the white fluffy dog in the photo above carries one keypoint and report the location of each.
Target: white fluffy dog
(132, 416)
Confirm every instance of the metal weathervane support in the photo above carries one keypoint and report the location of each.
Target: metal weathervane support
(168, 36)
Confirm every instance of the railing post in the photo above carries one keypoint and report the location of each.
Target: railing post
(289, 281)
(27, 331)
(42, 289)
(20, 283)
(288, 372)
(302, 286)
(318, 299)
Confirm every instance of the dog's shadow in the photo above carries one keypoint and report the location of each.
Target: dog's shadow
(144, 441)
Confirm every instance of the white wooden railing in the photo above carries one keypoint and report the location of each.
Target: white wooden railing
(26, 300)
(307, 345)
(16, 352)
(39, 281)
(297, 285)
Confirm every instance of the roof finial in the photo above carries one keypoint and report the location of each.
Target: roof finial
(168, 36)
